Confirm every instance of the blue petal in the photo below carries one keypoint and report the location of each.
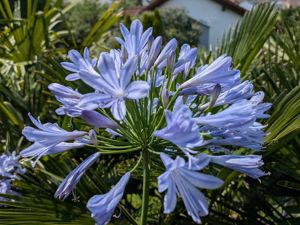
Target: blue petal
(201, 180)
(73, 178)
(95, 119)
(118, 109)
(127, 72)
(137, 90)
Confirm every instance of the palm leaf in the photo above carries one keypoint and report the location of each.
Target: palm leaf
(244, 41)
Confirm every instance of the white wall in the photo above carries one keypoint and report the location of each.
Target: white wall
(210, 13)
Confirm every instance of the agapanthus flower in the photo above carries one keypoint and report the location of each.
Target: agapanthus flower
(10, 169)
(186, 60)
(181, 129)
(248, 164)
(180, 180)
(113, 84)
(71, 100)
(77, 63)
(149, 57)
(218, 72)
(73, 178)
(46, 137)
(260, 108)
(241, 91)
(239, 115)
(236, 125)
(6, 188)
(251, 138)
(155, 57)
(135, 39)
(10, 166)
(161, 60)
(103, 206)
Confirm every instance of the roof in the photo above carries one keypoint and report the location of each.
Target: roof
(139, 9)
(231, 5)
(156, 3)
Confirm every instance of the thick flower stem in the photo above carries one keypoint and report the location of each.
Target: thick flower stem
(146, 181)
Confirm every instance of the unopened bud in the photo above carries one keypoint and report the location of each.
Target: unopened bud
(165, 97)
(93, 137)
(171, 61)
(214, 95)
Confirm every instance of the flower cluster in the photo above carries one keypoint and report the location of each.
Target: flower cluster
(161, 103)
(10, 168)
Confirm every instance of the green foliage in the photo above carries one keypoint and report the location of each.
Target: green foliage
(244, 41)
(24, 42)
(153, 20)
(82, 17)
(265, 47)
(177, 24)
(106, 21)
(30, 51)
(131, 3)
(173, 23)
(94, 24)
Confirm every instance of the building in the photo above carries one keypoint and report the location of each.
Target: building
(215, 16)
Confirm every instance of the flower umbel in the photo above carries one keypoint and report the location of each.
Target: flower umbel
(145, 100)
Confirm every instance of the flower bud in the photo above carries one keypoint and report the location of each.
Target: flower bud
(165, 97)
(171, 61)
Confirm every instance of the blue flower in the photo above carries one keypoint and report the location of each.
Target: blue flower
(236, 125)
(73, 178)
(260, 108)
(241, 91)
(113, 84)
(103, 206)
(73, 101)
(218, 72)
(184, 182)
(239, 115)
(149, 57)
(186, 60)
(248, 164)
(169, 49)
(154, 56)
(181, 129)
(6, 188)
(77, 63)
(135, 40)
(251, 138)
(10, 166)
(47, 138)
